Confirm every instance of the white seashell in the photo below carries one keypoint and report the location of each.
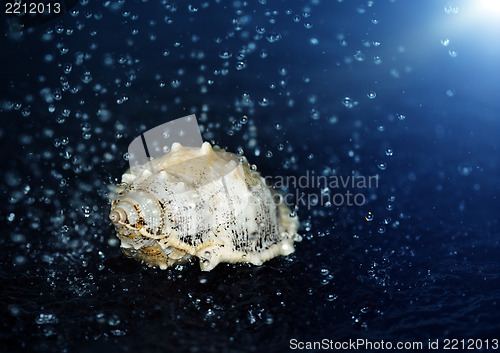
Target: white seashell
(200, 202)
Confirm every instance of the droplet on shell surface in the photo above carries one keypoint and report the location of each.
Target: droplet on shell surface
(203, 203)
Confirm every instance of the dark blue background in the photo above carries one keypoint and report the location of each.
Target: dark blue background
(431, 272)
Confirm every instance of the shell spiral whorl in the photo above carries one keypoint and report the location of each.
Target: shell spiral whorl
(200, 202)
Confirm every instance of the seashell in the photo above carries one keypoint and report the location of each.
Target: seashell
(200, 202)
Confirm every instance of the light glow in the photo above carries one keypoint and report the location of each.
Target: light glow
(488, 7)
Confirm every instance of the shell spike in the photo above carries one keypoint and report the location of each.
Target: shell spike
(206, 148)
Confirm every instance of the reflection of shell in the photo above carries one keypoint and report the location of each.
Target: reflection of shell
(200, 202)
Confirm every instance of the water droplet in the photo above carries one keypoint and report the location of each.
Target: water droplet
(359, 56)
(240, 65)
(114, 320)
(86, 77)
(225, 54)
(465, 169)
(67, 68)
(347, 102)
(273, 37)
(331, 297)
(450, 9)
(44, 319)
(25, 112)
(264, 102)
(86, 211)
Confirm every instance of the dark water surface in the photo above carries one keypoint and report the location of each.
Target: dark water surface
(404, 91)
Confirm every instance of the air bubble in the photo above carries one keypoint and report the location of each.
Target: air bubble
(369, 216)
(372, 94)
(382, 165)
